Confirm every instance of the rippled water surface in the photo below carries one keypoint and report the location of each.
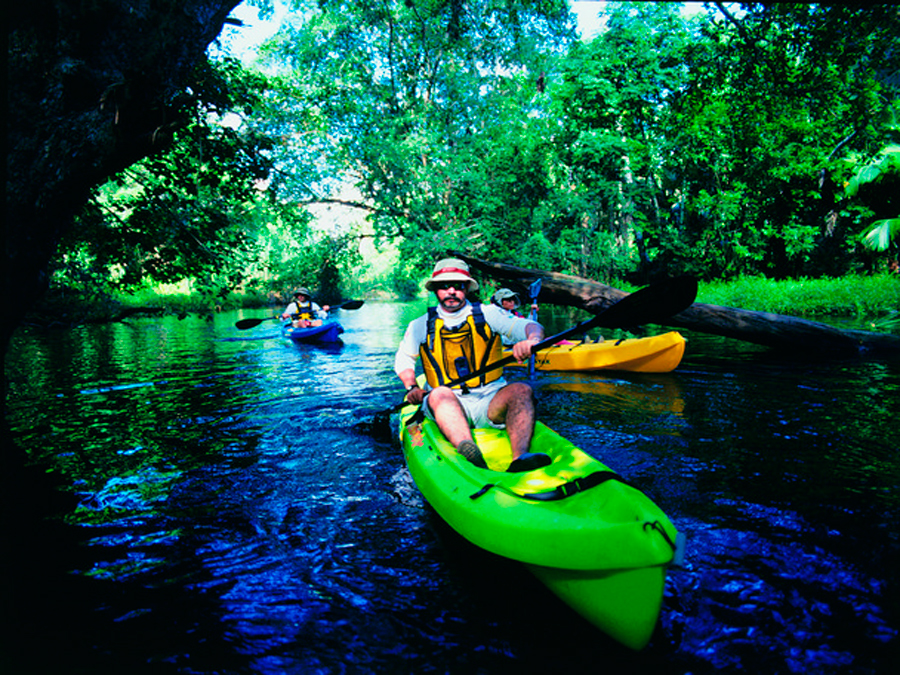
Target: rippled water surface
(222, 503)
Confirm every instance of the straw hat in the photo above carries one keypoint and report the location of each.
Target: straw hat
(451, 269)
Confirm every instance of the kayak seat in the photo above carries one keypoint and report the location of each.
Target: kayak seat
(529, 461)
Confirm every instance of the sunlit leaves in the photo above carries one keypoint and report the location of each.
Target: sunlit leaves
(878, 182)
(424, 106)
(182, 213)
(885, 163)
(880, 234)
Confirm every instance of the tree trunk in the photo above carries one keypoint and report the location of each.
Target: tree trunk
(91, 88)
(763, 328)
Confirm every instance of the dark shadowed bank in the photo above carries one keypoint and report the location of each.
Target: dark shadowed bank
(90, 90)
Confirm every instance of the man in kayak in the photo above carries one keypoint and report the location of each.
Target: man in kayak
(303, 312)
(459, 337)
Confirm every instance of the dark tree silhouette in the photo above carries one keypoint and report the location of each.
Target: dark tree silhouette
(92, 87)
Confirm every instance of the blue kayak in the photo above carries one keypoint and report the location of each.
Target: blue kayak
(329, 331)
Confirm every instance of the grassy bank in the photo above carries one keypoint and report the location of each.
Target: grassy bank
(852, 296)
(68, 307)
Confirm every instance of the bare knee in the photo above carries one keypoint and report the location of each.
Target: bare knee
(440, 395)
(513, 400)
(520, 391)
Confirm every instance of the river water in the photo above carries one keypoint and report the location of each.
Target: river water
(223, 503)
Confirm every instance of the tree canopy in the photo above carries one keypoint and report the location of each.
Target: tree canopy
(759, 140)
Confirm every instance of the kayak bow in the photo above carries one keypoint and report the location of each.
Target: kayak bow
(599, 544)
(329, 331)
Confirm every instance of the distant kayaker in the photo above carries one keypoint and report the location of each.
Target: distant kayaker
(457, 338)
(303, 312)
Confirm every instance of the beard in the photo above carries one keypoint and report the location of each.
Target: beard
(452, 302)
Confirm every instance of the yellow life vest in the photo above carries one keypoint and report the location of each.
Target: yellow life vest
(448, 355)
(304, 311)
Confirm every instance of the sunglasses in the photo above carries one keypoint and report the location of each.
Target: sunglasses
(447, 285)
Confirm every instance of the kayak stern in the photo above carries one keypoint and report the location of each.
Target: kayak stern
(599, 544)
(655, 354)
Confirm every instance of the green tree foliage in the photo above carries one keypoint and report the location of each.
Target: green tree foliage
(425, 107)
(777, 97)
(880, 177)
(612, 96)
(759, 141)
(198, 211)
(711, 145)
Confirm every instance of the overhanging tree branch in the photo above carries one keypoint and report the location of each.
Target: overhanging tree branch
(731, 18)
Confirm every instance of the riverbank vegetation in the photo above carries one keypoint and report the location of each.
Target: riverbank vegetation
(862, 297)
(869, 302)
(756, 149)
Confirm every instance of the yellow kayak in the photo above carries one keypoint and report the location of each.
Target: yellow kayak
(599, 544)
(657, 354)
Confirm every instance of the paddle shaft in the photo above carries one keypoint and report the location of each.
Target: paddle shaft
(543, 344)
(534, 291)
(244, 324)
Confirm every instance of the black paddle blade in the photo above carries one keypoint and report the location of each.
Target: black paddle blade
(651, 304)
(351, 304)
(244, 324)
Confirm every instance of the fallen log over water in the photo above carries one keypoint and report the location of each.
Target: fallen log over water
(763, 328)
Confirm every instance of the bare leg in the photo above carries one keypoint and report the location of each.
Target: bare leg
(449, 415)
(514, 406)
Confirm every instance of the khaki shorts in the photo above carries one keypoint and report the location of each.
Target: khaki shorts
(475, 404)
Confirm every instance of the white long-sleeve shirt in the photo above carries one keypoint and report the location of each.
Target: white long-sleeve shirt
(509, 327)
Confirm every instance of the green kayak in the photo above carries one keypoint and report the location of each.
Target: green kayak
(600, 545)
